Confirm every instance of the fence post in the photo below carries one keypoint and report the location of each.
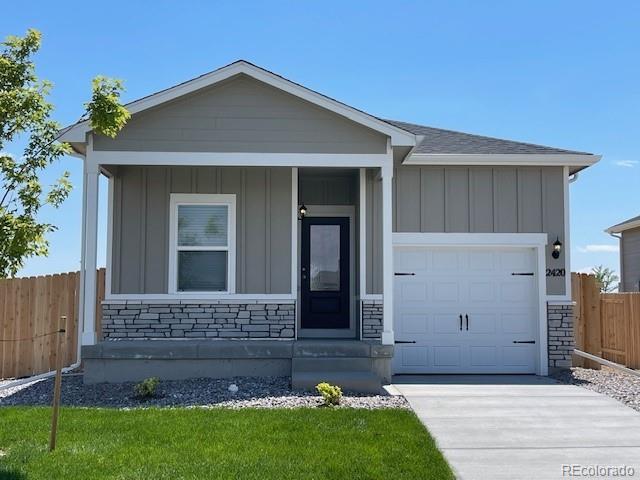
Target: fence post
(57, 384)
(593, 324)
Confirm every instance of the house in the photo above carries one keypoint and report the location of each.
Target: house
(628, 233)
(257, 227)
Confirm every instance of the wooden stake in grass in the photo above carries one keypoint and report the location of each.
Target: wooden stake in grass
(57, 384)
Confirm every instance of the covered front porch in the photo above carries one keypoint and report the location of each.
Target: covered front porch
(269, 297)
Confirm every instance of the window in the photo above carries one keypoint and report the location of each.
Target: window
(202, 256)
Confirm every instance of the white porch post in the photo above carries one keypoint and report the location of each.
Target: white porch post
(89, 247)
(386, 174)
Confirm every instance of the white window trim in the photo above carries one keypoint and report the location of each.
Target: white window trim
(177, 199)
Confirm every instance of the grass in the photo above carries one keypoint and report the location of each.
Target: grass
(218, 443)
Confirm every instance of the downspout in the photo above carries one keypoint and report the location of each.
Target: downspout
(73, 366)
(619, 237)
(574, 177)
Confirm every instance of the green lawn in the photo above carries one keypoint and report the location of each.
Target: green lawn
(176, 444)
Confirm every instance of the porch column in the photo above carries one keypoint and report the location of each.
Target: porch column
(386, 174)
(88, 276)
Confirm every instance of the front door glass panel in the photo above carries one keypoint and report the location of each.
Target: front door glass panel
(325, 258)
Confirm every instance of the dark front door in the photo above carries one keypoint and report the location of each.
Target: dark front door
(325, 272)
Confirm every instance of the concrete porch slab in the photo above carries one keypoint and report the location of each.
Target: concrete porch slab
(522, 427)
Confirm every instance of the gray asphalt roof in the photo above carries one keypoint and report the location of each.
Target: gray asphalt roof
(438, 140)
(630, 220)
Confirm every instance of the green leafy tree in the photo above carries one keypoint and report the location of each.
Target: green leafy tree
(25, 116)
(606, 277)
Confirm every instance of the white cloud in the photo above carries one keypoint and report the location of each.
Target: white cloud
(627, 163)
(599, 249)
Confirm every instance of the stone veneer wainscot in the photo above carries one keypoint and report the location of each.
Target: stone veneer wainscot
(371, 319)
(560, 335)
(129, 320)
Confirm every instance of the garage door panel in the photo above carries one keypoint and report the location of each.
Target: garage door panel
(413, 292)
(516, 292)
(447, 356)
(414, 356)
(482, 323)
(477, 282)
(517, 323)
(444, 323)
(483, 356)
(411, 260)
(517, 260)
(445, 291)
(482, 292)
(445, 260)
(518, 356)
(414, 323)
(482, 261)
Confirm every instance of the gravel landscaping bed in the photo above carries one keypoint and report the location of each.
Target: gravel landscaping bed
(269, 392)
(610, 382)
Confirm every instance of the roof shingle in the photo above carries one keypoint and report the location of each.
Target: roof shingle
(441, 141)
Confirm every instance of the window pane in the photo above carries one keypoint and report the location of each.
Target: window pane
(202, 225)
(202, 271)
(325, 257)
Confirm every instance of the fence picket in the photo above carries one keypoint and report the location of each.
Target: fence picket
(605, 324)
(31, 307)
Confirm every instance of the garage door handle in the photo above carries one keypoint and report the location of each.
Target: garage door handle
(404, 341)
(405, 274)
(460, 322)
(467, 317)
(524, 341)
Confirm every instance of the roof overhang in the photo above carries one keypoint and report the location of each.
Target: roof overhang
(76, 134)
(621, 227)
(578, 162)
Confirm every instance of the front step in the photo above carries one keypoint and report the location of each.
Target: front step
(348, 381)
(354, 366)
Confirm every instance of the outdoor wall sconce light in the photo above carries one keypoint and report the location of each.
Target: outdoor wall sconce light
(557, 248)
(302, 211)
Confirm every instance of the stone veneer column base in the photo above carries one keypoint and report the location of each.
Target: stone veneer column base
(560, 335)
(131, 320)
(371, 313)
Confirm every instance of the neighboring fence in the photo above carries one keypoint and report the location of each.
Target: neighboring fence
(30, 310)
(605, 324)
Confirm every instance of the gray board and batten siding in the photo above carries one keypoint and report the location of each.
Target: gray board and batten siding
(630, 260)
(474, 199)
(141, 224)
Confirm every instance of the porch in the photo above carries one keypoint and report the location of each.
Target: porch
(355, 365)
(273, 274)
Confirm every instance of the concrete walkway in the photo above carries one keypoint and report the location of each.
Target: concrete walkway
(522, 427)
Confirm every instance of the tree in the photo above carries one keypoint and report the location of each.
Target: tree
(606, 277)
(25, 116)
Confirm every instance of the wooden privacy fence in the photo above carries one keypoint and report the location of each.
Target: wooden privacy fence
(30, 310)
(605, 324)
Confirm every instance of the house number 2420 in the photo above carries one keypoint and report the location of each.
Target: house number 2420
(555, 272)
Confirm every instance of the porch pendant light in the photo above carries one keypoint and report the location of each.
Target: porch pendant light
(557, 248)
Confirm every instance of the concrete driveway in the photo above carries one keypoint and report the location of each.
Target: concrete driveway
(522, 427)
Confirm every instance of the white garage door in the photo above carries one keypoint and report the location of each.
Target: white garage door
(465, 310)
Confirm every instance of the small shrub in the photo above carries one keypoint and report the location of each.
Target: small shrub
(331, 394)
(147, 388)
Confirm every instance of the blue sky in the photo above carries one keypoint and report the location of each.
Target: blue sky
(565, 74)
